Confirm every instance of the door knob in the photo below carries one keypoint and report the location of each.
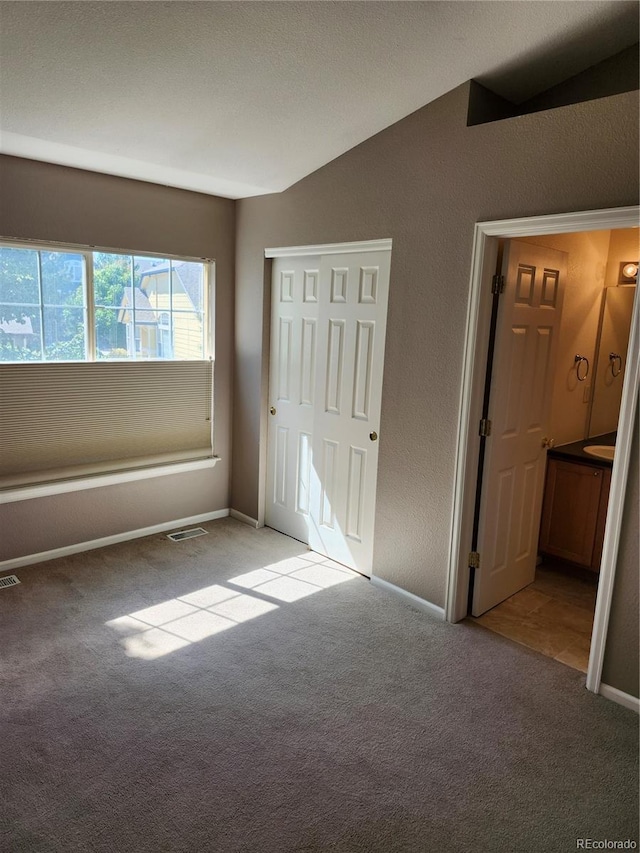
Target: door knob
(272, 410)
(548, 442)
(373, 436)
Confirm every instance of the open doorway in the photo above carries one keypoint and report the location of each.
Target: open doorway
(577, 420)
(576, 410)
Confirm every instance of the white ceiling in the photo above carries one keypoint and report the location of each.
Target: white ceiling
(244, 98)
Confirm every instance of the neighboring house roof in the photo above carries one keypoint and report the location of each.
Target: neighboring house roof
(144, 309)
(189, 275)
(17, 327)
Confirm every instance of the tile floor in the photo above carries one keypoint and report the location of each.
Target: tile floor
(553, 615)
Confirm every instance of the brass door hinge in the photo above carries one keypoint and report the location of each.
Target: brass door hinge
(497, 284)
(485, 427)
(474, 560)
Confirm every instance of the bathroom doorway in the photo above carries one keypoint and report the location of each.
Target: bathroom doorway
(595, 233)
(553, 605)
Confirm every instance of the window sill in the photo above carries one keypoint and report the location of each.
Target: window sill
(97, 481)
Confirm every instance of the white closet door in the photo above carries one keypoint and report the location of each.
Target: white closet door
(292, 393)
(323, 437)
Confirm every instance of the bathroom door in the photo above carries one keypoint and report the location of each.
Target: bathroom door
(515, 456)
(327, 355)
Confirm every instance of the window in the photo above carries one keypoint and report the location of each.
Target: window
(60, 305)
(105, 363)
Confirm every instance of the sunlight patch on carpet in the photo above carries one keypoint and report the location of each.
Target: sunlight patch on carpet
(163, 628)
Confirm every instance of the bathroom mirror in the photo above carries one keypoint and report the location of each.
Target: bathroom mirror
(610, 359)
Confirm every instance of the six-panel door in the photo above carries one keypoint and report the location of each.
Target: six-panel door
(327, 356)
(521, 386)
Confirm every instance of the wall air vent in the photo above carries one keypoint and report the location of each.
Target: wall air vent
(186, 534)
(8, 580)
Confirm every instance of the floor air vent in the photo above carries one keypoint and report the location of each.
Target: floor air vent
(8, 580)
(186, 534)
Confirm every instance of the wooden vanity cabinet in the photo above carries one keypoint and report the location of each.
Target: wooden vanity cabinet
(574, 512)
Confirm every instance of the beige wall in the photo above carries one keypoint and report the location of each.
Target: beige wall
(47, 202)
(43, 524)
(424, 182)
(586, 264)
(624, 246)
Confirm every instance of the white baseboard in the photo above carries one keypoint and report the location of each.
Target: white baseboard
(43, 556)
(621, 698)
(245, 519)
(410, 598)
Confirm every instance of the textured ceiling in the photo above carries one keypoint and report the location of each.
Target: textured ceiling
(244, 98)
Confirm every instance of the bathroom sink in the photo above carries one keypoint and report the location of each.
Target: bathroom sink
(602, 451)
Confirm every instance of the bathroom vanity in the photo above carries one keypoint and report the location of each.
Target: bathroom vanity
(574, 509)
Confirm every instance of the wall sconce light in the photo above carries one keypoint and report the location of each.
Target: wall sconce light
(628, 272)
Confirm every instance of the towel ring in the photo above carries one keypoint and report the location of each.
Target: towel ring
(580, 359)
(615, 359)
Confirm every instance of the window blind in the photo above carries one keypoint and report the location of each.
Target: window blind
(59, 421)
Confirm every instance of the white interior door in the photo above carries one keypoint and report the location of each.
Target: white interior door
(292, 393)
(327, 357)
(521, 385)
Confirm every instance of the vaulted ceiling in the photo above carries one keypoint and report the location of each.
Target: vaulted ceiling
(244, 98)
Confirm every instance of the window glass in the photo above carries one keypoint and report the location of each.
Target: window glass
(63, 333)
(42, 305)
(20, 334)
(111, 334)
(169, 308)
(63, 306)
(188, 309)
(111, 289)
(142, 307)
(18, 276)
(62, 278)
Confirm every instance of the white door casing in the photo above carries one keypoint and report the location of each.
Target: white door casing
(327, 357)
(485, 245)
(521, 384)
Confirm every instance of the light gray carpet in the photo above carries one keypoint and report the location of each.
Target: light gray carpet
(340, 721)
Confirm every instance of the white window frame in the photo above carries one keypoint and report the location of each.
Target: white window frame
(87, 253)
